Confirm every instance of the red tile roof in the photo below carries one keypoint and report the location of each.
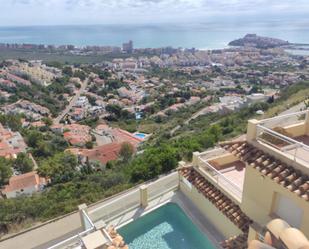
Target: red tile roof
(124, 136)
(103, 153)
(77, 134)
(23, 181)
(283, 174)
(223, 203)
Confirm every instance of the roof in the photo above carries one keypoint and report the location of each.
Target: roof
(239, 242)
(103, 153)
(283, 174)
(276, 226)
(119, 135)
(124, 136)
(23, 181)
(77, 134)
(293, 238)
(11, 143)
(223, 203)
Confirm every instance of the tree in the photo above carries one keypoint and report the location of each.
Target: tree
(89, 144)
(33, 138)
(68, 71)
(12, 121)
(60, 167)
(23, 163)
(79, 74)
(47, 121)
(126, 151)
(5, 171)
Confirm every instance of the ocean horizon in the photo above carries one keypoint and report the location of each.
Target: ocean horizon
(213, 35)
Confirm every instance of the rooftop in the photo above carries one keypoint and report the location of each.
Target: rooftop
(23, 181)
(285, 175)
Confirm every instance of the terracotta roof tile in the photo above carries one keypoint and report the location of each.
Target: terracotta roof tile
(23, 181)
(236, 242)
(285, 175)
(230, 209)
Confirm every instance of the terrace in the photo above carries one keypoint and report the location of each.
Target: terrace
(286, 134)
(223, 169)
(120, 210)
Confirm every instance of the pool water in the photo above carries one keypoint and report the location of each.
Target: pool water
(140, 135)
(167, 227)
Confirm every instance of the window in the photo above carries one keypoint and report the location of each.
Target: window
(288, 210)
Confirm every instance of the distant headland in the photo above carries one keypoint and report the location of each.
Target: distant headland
(254, 40)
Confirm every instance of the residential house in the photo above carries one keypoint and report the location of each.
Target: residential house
(24, 184)
(100, 154)
(11, 143)
(77, 135)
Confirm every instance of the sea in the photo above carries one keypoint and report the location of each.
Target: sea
(210, 35)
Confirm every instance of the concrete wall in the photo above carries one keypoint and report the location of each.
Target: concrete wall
(259, 197)
(219, 220)
(26, 191)
(296, 130)
(222, 160)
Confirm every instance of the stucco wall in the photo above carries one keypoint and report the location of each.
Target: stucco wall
(26, 191)
(222, 160)
(296, 130)
(258, 199)
(219, 220)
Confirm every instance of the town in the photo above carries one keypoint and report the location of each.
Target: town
(61, 122)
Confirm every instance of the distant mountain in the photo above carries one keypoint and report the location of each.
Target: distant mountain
(253, 40)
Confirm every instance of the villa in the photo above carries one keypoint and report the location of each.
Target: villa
(250, 193)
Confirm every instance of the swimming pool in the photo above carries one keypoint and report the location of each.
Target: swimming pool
(167, 227)
(140, 135)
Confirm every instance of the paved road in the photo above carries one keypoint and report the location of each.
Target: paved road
(72, 102)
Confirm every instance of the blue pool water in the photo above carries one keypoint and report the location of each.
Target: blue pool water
(140, 135)
(167, 227)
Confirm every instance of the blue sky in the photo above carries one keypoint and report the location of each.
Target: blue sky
(66, 12)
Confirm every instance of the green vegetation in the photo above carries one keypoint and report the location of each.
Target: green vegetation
(72, 184)
(23, 163)
(126, 152)
(5, 171)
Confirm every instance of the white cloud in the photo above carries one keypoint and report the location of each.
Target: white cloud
(37, 12)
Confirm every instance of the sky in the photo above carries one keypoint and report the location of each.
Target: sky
(71, 12)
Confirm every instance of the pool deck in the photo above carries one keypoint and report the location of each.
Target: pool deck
(186, 205)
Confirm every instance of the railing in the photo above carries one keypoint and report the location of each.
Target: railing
(115, 207)
(75, 240)
(118, 206)
(164, 185)
(212, 153)
(275, 133)
(130, 200)
(221, 180)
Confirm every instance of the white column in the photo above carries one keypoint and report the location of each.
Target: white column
(252, 129)
(81, 215)
(195, 158)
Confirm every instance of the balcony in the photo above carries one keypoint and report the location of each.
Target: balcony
(224, 170)
(119, 209)
(288, 134)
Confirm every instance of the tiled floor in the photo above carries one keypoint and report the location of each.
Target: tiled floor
(236, 176)
(235, 172)
(301, 153)
(304, 139)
